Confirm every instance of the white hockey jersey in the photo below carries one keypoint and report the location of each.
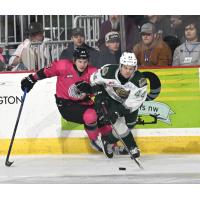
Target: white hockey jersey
(131, 95)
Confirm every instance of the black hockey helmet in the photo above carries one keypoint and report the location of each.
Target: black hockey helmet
(81, 53)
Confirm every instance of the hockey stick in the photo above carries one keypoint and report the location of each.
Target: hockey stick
(8, 163)
(120, 138)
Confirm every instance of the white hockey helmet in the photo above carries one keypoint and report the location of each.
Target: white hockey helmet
(129, 59)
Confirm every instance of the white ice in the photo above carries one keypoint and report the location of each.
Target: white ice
(98, 169)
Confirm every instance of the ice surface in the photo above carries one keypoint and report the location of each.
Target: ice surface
(98, 169)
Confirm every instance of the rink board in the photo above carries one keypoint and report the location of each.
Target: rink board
(42, 131)
(148, 145)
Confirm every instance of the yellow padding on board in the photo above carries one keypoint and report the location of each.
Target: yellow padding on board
(148, 145)
(171, 144)
(46, 146)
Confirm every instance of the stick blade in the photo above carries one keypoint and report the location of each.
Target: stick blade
(8, 163)
(137, 162)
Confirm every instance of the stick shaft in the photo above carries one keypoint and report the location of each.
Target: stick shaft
(15, 128)
(120, 138)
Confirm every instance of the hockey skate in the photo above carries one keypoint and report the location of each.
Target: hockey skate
(96, 145)
(135, 152)
(119, 150)
(106, 147)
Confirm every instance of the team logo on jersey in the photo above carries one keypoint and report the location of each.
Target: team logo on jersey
(74, 92)
(104, 71)
(121, 92)
(142, 82)
(69, 75)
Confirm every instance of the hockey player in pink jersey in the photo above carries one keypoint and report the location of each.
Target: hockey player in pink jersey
(73, 105)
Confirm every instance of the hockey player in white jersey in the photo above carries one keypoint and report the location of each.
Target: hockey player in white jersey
(122, 89)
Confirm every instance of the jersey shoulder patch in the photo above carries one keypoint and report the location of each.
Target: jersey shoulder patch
(108, 71)
(104, 70)
(138, 79)
(142, 82)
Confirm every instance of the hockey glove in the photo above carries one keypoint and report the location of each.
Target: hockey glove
(84, 87)
(113, 117)
(106, 118)
(100, 99)
(28, 83)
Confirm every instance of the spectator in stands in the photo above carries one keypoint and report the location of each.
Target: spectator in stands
(26, 57)
(78, 40)
(176, 25)
(162, 24)
(188, 53)
(151, 51)
(111, 54)
(176, 34)
(113, 24)
(2, 60)
(172, 42)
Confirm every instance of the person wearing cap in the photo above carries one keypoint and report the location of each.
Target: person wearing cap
(25, 58)
(111, 54)
(78, 40)
(161, 22)
(151, 51)
(113, 24)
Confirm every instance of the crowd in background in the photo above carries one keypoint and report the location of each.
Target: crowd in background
(156, 40)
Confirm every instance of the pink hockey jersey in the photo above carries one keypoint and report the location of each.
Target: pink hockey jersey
(67, 76)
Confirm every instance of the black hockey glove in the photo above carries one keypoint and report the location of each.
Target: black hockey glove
(100, 101)
(100, 98)
(28, 83)
(113, 117)
(84, 87)
(105, 115)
